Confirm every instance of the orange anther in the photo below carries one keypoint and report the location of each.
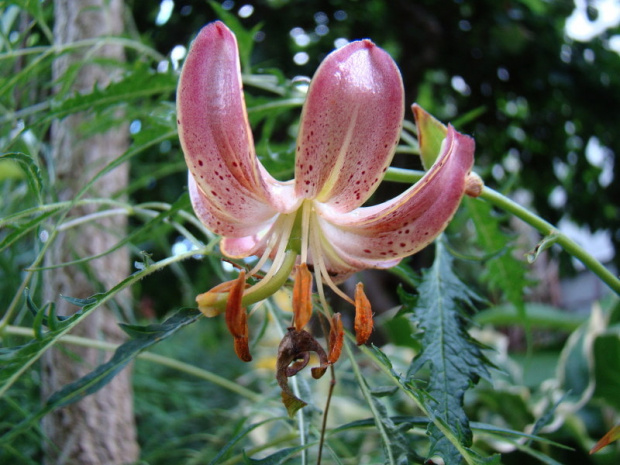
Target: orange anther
(302, 297)
(363, 316)
(237, 318)
(336, 339)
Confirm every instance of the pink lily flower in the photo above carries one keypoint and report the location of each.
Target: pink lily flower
(350, 127)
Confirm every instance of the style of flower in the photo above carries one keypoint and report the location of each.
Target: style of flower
(314, 225)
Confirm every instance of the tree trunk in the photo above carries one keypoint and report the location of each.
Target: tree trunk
(99, 429)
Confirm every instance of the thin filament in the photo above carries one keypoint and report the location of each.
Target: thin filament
(265, 256)
(287, 227)
(305, 230)
(317, 257)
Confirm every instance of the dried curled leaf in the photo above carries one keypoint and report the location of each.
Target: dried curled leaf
(302, 297)
(293, 355)
(363, 316)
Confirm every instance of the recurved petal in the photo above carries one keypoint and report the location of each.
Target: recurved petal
(350, 126)
(213, 127)
(378, 236)
(224, 220)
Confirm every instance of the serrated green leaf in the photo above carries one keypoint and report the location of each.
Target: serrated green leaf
(424, 401)
(17, 360)
(397, 449)
(503, 271)
(80, 302)
(606, 352)
(52, 320)
(454, 359)
(140, 83)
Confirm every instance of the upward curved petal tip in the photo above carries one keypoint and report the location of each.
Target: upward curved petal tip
(350, 126)
(213, 124)
(406, 224)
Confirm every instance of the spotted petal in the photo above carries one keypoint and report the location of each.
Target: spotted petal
(216, 137)
(350, 126)
(380, 235)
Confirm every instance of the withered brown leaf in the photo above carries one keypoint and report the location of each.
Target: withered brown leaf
(295, 349)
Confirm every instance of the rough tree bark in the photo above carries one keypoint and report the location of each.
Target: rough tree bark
(99, 429)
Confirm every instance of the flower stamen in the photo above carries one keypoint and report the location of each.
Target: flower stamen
(237, 319)
(302, 297)
(319, 262)
(336, 339)
(287, 226)
(363, 323)
(305, 230)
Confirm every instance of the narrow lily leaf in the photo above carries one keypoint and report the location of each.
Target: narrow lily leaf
(133, 87)
(224, 450)
(23, 229)
(33, 174)
(397, 450)
(278, 458)
(17, 360)
(431, 134)
(80, 302)
(52, 320)
(104, 373)
(454, 360)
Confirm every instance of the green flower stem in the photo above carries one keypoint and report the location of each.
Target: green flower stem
(361, 381)
(541, 225)
(559, 238)
(151, 357)
(403, 175)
